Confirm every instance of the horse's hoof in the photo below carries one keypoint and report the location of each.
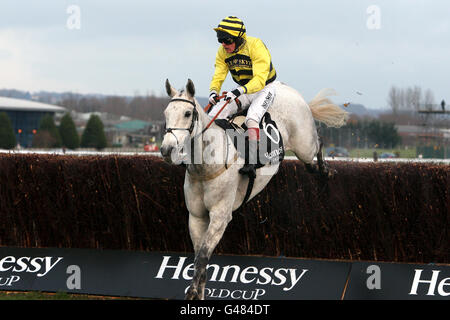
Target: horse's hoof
(192, 294)
(326, 171)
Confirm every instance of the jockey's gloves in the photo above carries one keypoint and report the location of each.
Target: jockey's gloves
(213, 98)
(231, 95)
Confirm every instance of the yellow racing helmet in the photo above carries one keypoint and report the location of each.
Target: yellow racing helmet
(233, 26)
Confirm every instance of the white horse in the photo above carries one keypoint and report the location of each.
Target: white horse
(214, 189)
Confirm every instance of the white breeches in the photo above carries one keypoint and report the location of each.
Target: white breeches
(257, 104)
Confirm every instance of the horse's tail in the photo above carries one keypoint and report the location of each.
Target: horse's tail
(326, 111)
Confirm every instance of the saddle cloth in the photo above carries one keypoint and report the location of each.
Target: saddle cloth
(270, 146)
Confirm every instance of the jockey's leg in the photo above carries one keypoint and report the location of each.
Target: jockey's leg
(260, 102)
(253, 139)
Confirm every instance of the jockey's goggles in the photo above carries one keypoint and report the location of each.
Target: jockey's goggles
(226, 40)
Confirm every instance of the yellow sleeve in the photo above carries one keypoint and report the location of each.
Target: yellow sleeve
(220, 72)
(261, 67)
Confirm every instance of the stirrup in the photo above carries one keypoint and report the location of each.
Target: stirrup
(248, 169)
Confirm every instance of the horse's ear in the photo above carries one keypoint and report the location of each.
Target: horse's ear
(190, 88)
(169, 89)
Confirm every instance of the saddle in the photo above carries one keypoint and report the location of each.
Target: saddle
(270, 146)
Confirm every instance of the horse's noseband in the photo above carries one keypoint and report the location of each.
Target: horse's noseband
(194, 118)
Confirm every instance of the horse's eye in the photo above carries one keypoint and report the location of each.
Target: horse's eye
(187, 114)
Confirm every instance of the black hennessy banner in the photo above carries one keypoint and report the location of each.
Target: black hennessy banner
(167, 276)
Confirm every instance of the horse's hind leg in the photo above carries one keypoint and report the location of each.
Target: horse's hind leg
(314, 149)
(306, 147)
(323, 166)
(324, 169)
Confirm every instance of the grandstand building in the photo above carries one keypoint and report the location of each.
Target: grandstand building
(25, 116)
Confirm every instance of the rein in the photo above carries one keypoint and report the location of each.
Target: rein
(195, 116)
(209, 105)
(215, 117)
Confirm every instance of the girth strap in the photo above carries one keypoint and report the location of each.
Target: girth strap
(251, 182)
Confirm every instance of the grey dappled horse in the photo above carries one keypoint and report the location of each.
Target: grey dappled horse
(213, 187)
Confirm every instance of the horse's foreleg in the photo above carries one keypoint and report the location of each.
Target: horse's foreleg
(197, 229)
(219, 220)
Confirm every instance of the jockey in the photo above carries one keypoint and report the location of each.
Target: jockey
(250, 65)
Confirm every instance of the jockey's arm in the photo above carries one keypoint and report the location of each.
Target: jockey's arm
(220, 72)
(261, 67)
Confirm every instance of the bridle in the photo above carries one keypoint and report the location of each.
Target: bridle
(190, 129)
(195, 117)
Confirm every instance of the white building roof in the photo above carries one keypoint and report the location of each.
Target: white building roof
(27, 105)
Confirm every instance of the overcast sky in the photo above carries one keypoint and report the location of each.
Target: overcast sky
(360, 48)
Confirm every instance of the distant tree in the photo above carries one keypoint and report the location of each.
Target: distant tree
(7, 136)
(389, 135)
(44, 140)
(148, 107)
(416, 96)
(429, 100)
(404, 98)
(383, 134)
(94, 134)
(394, 99)
(136, 106)
(373, 130)
(68, 132)
(361, 133)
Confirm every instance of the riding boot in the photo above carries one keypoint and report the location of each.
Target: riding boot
(249, 168)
